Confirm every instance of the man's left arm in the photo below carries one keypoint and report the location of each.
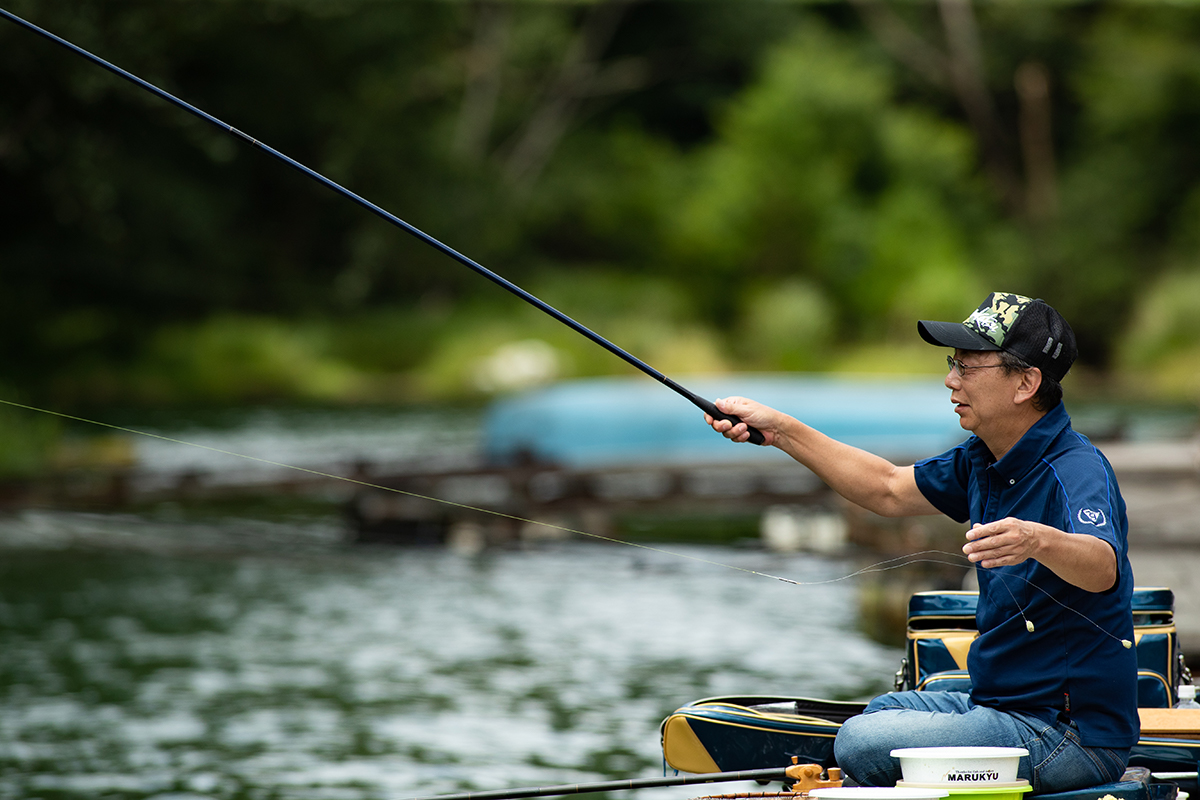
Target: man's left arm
(1080, 559)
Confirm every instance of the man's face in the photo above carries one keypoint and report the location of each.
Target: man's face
(983, 395)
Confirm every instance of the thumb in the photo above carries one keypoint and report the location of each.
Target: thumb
(729, 405)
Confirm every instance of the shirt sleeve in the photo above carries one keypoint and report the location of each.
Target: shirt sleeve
(1091, 501)
(943, 481)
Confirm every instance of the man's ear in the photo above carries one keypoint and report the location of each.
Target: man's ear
(1031, 381)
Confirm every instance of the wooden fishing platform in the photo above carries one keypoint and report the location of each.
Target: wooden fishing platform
(508, 504)
(487, 504)
(1160, 482)
(405, 502)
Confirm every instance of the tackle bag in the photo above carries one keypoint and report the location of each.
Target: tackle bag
(720, 734)
(723, 734)
(941, 627)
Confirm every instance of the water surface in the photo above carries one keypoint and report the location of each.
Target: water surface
(172, 656)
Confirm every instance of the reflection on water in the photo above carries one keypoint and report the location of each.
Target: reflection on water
(240, 658)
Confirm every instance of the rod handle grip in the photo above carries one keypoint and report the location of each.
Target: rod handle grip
(708, 407)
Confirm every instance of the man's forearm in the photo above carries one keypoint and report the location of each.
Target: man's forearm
(861, 477)
(1078, 558)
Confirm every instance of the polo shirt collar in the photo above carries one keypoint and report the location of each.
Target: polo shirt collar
(1029, 449)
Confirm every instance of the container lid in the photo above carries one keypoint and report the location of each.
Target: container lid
(879, 793)
(959, 752)
(1021, 786)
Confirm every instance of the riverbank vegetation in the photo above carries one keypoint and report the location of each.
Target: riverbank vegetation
(713, 186)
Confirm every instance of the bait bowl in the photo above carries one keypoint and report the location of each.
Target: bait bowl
(959, 766)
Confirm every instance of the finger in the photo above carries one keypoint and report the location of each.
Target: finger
(729, 405)
(977, 532)
(988, 560)
(976, 553)
(983, 548)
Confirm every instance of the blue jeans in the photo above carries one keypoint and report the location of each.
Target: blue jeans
(1057, 761)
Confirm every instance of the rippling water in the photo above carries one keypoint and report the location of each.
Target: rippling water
(171, 657)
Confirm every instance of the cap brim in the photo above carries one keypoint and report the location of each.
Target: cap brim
(953, 334)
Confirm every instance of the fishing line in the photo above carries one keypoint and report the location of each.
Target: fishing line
(1001, 576)
(369, 485)
(915, 558)
(879, 566)
(705, 405)
(1029, 625)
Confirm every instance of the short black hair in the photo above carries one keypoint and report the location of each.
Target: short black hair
(1049, 394)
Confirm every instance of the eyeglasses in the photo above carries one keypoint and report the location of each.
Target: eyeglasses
(961, 368)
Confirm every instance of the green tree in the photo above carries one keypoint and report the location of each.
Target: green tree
(822, 174)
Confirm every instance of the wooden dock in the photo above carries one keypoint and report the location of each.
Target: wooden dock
(433, 502)
(503, 505)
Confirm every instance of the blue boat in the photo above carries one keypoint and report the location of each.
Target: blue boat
(624, 421)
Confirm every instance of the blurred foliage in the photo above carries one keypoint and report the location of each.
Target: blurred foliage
(710, 185)
(29, 439)
(819, 172)
(1162, 348)
(235, 359)
(786, 325)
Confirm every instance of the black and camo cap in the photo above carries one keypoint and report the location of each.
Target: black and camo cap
(1025, 327)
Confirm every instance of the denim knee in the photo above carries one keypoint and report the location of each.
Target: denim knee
(863, 751)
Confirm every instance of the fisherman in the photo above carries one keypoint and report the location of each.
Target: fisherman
(1052, 669)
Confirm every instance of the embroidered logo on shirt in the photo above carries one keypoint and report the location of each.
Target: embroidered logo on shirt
(1089, 517)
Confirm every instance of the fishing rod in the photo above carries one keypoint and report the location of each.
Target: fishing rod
(705, 405)
(807, 776)
(613, 786)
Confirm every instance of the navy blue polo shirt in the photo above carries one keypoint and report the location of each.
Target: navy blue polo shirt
(1073, 661)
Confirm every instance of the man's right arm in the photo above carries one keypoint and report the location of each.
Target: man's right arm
(863, 478)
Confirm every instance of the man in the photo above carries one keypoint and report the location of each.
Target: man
(1052, 670)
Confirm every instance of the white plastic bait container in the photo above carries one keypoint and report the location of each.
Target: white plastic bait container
(960, 766)
(879, 793)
